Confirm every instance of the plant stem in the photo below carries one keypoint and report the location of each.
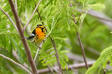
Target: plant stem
(82, 48)
(11, 60)
(57, 56)
(28, 53)
(37, 52)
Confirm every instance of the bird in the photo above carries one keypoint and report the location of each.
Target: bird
(38, 34)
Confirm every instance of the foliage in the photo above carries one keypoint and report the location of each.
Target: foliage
(102, 61)
(57, 16)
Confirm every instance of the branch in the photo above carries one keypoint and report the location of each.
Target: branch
(28, 53)
(9, 18)
(11, 60)
(73, 66)
(31, 15)
(82, 48)
(57, 56)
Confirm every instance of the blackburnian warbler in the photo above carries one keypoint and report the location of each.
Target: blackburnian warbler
(38, 34)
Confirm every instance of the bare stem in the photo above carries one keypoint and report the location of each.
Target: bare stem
(11, 60)
(82, 48)
(32, 15)
(9, 18)
(73, 66)
(57, 56)
(28, 53)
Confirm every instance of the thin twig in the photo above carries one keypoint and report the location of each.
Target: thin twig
(11, 60)
(57, 56)
(32, 15)
(54, 45)
(82, 48)
(37, 52)
(27, 49)
(14, 53)
(40, 16)
(80, 43)
(9, 18)
(73, 66)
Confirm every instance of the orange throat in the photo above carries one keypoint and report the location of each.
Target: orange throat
(40, 34)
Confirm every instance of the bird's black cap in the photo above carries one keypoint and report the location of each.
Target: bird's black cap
(39, 25)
